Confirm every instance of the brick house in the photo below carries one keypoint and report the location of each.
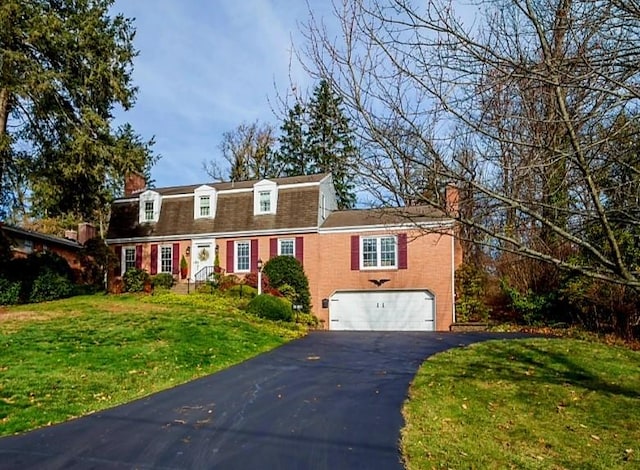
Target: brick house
(368, 269)
(24, 242)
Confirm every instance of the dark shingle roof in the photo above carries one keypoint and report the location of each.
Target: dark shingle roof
(297, 208)
(383, 216)
(12, 231)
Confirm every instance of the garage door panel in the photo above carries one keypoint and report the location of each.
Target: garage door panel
(382, 311)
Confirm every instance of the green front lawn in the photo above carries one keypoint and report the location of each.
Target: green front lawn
(534, 403)
(71, 357)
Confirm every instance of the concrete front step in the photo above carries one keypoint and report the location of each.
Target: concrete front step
(182, 288)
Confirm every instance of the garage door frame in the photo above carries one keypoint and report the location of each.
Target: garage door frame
(426, 291)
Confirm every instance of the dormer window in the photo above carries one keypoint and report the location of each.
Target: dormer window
(148, 211)
(150, 202)
(265, 197)
(205, 206)
(265, 201)
(204, 202)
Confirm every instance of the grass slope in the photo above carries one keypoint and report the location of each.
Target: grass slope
(535, 403)
(71, 357)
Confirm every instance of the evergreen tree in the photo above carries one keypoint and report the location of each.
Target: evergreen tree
(329, 142)
(317, 138)
(292, 154)
(64, 66)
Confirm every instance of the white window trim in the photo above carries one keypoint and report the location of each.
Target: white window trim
(170, 247)
(272, 189)
(149, 196)
(236, 269)
(378, 265)
(205, 191)
(280, 240)
(123, 261)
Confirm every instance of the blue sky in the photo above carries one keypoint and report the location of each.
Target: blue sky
(206, 66)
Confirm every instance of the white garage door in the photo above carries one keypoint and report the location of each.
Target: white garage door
(382, 311)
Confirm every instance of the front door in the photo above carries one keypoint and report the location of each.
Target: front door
(202, 256)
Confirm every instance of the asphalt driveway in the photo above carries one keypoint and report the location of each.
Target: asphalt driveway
(327, 401)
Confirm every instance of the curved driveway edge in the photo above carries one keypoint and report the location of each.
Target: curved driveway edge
(331, 400)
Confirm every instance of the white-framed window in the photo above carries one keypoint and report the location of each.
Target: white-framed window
(287, 246)
(378, 252)
(166, 257)
(243, 257)
(28, 246)
(265, 201)
(149, 202)
(265, 197)
(205, 206)
(148, 211)
(204, 202)
(128, 258)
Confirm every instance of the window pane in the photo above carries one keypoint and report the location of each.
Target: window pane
(148, 210)
(287, 247)
(265, 201)
(242, 256)
(388, 251)
(129, 258)
(204, 206)
(165, 259)
(369, 252)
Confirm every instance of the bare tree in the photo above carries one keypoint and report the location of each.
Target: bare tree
(248, 154)
(509, 104)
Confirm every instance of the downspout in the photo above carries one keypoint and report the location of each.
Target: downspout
(453, 279)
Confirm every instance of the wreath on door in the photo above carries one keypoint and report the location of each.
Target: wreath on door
(203, 255)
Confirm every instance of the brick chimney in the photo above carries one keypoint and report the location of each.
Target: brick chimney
(452, 198)
(86, 232)
(134, 183)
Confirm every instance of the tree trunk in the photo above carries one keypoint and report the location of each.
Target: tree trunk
(4, 138)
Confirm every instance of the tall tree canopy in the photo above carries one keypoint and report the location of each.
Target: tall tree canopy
(64, 66)
(522, 105)
(248, 154)
(317, 138)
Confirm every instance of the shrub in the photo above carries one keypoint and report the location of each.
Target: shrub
(533, 308)
(134, 280)
(270, 307)
(9, 292)
(242, 291)
(470, 288)
(307, 319)
(50, 286)
(287, 270)
(96, 259)
(162, 280)
(251, 279)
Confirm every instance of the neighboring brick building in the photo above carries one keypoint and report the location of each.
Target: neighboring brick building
(368, 269)
(24, 242)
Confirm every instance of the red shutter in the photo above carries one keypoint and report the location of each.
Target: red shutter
(254, 255)
(273, 247)
(230, 249)
(355, 252)
(402, 251)
(300, 249)
(117, 270)
(175, 259)
(154, 259)
(138, 256)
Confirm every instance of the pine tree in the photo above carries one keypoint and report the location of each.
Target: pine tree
(317, 138)
(292, 151)
(64, 66)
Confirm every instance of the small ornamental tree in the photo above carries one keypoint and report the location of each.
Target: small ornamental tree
(287, 270)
